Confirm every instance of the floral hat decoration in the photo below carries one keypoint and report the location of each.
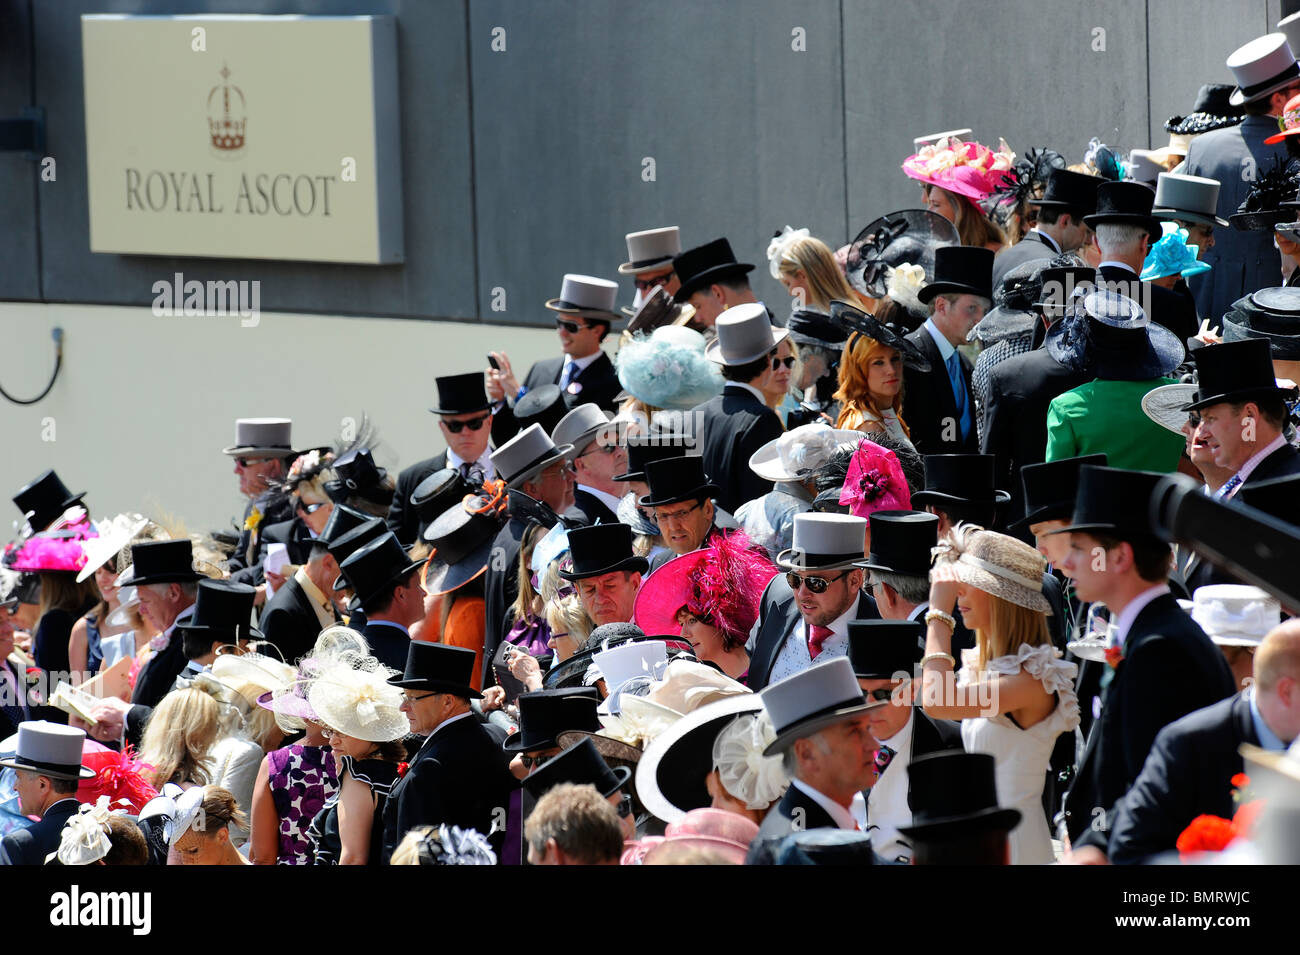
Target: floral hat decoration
(875, 482)
(58, 551)
(1172, 255)
(968, 169)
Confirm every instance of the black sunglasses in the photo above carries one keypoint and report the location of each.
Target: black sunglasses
(571, 327)
(456, 427)
(624, 806)
(788, 361)
(816, 585)
(646, 285)
(531, 761)
(884, 694)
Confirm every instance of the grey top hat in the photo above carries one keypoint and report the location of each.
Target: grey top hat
(824, 542)
(745, 334)
(49, 749)
(1191, 198)
(587, 296)
(652, 250)
(266, 436)
(526, 454)
(581, 426)
(811, 700)
(1262, 67)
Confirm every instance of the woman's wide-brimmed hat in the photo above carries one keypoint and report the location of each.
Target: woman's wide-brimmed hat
(628, 513)
(1234, 615)
(745, 334)
(875, 482)
(801, 451)
(1167, 405)
(587, 297)
(954, 794)
(1110, 334)
(49, 552)
(1172, 255)
(994, 563)
(960, 270)
(526, 455)
(438, 668)
(1212, 110)
(1270, 313)
(1288, 122)
(968, 169)
(651, 250)
(853, 319)
(44, 499)
(959, 479)
(114, 534)
(1234, 371)
(49, 749)
(1262, 67)
(668, 369)
(440, 490)
(462, 539)
(824, 542)
(266, 437)
(822, 695)
(812, 326)
(1189, 198)
(906, 237)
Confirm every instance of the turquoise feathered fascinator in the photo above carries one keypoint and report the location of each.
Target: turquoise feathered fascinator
(667, 368)
(1172, 256)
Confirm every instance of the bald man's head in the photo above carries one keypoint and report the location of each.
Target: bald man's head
(1278, 657)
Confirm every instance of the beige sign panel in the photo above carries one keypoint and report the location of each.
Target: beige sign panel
(244, 137)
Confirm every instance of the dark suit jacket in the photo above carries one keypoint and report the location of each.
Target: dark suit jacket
(157, 676)
(13, 711)
(778, 615)
(794, 813)
(30, 846)
(294, 534)
(290, 622)
(597, 383)
(1032, 247)
(732, 427)
(276, 507)
(591, 509)
(457, 777)
(1170, 668)
(402, 518)
(388, 644)
(1187, 774)
(1176, 311)
(929, 406)
(1015, 422)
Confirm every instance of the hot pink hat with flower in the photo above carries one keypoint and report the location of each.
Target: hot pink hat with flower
(875, 482)
(55, 551)
(968, 169)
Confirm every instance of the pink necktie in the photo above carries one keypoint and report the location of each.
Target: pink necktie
(817, 637)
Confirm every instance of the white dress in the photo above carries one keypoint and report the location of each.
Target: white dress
(893, 427)
(1021, 756)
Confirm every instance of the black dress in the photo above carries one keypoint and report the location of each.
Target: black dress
(379, 775)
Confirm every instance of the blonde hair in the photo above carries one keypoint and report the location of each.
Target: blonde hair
(178, 737)
(567, 615)
(855, 368)
(1011, 627)
(825, 280)
(973, 226)
(408, 850)
(259, 722)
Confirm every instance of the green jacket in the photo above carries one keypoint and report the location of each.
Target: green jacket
(1106, 417)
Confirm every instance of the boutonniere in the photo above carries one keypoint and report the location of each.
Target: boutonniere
(402, 768)
(34, 677)
(1114, 656)
(253, 519)
(159, 643)
(574, 387)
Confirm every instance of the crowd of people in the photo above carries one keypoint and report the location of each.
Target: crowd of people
(878, 581)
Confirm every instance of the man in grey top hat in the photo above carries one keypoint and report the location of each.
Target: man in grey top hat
(262, 453)
(1267, 76)
(598, 456)
(650, 261)
(48, 764)
(1190, 202)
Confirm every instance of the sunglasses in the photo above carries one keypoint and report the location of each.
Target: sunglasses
(309, 508)
(646, 285)
(816, 585)
(249, 462)
(474, 424)
(531, 761)
(624, 807)
(599, 449)
(571, 327)
(884, 694)
(788, 361)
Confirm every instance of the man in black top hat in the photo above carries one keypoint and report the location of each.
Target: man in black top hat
(222, 617)
(1164, 664)
(458, 776)
(939, 405)
(43, 501)
(956, 819)
(712, 280)
(543, 716)
(386, 585)
(605, 572)
(465, 420)
(680, 498)
(165, 578)
(1068, 198)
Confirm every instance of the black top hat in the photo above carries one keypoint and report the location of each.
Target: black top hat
(1051, 488)
(580, 764)
(1234, 372)
(906, 237)
(1066, 189)
(223, 611)
(959, 479)
(960, 270)
(954, 794)
(1271, 313)
(642, 449)
(461, 394)
(855, 320)
(705, 264)
(45, 499)
(677, 479)
(372, 571)
(602, 549)
(439, 491)
(882, 649)
(356, 474)
(901, 542)
(543, 405)
(1125, 203)
(343, 545)
(1212, 110)
(341, 520)
(462, 538)
(163, 562)
(438, 668)
(1115, 502)
(545, 714)
(1277, 497)
(810, 326)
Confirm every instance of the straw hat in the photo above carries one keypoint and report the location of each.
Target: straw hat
(994, 563)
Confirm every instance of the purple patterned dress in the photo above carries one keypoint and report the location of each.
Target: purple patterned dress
(302, 778)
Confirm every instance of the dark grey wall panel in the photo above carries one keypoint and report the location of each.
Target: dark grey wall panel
(19, 246)
(435, 166)
(745, 133)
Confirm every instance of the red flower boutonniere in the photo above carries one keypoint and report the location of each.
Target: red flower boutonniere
(1114, 656)
(402, 768)
(1240, 781)
(1206, 834)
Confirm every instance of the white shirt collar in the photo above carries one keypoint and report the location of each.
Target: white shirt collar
(1253, 461)
(609, 500)
(484, 461)
(1124, 622)
(1047, 239)
(447, 722)
(843, 818)
(750, 388)
(945, 346)
(1117, 265)
(581, 363)
(920, 610)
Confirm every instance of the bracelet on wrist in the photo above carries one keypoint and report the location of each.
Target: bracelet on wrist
(939, 657)
(945, 618)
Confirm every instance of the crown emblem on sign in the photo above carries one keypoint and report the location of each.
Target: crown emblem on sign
(226, 124)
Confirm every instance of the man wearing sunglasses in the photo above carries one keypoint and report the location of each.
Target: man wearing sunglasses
(598, 455)
(465, 420)
(650, 257)
(262, 453)
(583, 372)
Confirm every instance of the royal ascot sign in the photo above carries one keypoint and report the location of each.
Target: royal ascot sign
(244, 137)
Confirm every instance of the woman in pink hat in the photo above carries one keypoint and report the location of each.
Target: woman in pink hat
(956, 178)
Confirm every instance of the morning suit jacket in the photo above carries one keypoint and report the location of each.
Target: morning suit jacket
(388, 643)
(16, 710)
(1187, 774)
(1169, 668)
(732, 427)
(592, 510)
(30, 846)
(403, 520)
(1021, 390)
(777, 617)
(290, 622)
(456, 777)
(1032, 247)
(928, 403)
(1176, 311)
(1240, 262)
(275, 507)
(795, 812)
(928, 736)
(295, 535)
(157, 675)
(596, 384)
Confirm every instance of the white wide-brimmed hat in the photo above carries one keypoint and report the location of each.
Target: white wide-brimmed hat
(808, 701)
(994, 563)
(1234, 615)
(799, 452)
(1166, 405)
(360, 703)
(651, 250)
(745, 334)
(114, 534)
(627, 660)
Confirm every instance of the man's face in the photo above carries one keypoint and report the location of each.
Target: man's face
(471, 440)
(886, 721)
(821, 609)
(1088, 565)
(610, 597)
(850, 766)
(579, 338)
(1199, 235)
(424, 710)
(1228, 434)
(255, 473)
(1052, 546)
(31, 792)
(646, 282)
(554, 486)
(708, 306)
(155, 607)
(6, 634)
(1198, 451)
(684, 525)
(598, 464)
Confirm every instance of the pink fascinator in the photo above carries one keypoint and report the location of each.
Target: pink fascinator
(968, 169)
(875, 482)
(53, 551)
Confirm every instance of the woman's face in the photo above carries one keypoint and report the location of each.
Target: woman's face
(104, 578)
(885, 377)
(314, 513)
(705, 638)
(778, 382)
(940, 203)
(565, 645)
(201, 848)
(795, 281)
(346, 745)
(974, 606)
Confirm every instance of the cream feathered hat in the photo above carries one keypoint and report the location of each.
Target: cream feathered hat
(353, 695)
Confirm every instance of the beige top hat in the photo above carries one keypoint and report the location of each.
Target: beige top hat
(1192, 198)
(802, 704)
(745, 334)
(651, 250)
(1261, 67)
(266, 436)
(526, 454)
(825, 542)
(581, 426)
(587, 296)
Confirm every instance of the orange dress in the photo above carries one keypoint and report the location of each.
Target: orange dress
(466, 627)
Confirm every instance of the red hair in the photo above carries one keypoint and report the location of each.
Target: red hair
(855, 366)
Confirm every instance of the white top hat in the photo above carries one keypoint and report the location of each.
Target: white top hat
(651, 250)
(825, 542)
(1263, 66)
(627, 660)
(586, 295)
(49, 749)
(745, 334)
(925, 140)
(812, 699)
(267, 436)
(1194, 198)
(580, 427)
(1234, 615)
(524, 455)
(1290, 28)
(799, 452)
